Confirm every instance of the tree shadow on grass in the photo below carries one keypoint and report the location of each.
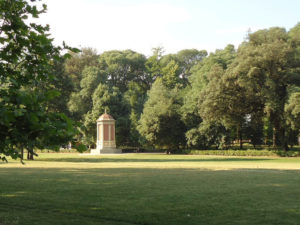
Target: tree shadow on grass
(136, 195)
(145, 160)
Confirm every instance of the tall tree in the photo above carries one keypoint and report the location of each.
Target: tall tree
(209, 70)
(201, 74)
(26, 67)
(266, 65)
(188, 58)
(62, 83)
(160, 122)
(292, 110)
(153, 65)
(81, 102)
(121, 67)
(170, 74)
(135, 96)
(185, 60)
(74, 66)
(225, 101)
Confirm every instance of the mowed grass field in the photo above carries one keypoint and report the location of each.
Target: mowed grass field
(150, 189)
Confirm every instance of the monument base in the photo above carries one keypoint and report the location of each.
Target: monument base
(106, 150)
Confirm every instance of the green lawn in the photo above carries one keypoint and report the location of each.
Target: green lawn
(150, 189)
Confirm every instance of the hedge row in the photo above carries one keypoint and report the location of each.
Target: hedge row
(244, 153)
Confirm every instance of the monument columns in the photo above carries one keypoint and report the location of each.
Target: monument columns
(106, 142)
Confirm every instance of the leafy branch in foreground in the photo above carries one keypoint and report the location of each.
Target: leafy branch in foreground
(27, 55)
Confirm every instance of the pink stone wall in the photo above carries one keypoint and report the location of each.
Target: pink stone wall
(112, 133)
(106, 134)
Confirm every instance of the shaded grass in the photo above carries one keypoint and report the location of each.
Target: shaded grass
(148, 160)
(132, 189)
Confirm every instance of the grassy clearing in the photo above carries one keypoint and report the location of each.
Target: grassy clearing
(150, 189)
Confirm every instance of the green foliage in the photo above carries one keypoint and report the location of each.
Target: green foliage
(208, 134)
(160, 122)
(135, 97)
(288, 153)
(232, 152)
(206, 70)
(75, 65)
(116, 74)
(169, 101)
(204, 108)
(248, 152)
(27, 57)
(63, 84)
(266, 66)
(239, 89)
(185, 60)
(153, 68)
(170, 74)
(201, 100)
(292, 110)
(110, 99)
(81, 102)
(121, 67)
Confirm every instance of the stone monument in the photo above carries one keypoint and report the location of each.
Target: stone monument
(106, 140)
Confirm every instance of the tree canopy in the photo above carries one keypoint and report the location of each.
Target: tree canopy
(188, 99)
(27, 61)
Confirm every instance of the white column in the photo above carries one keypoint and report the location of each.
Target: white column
(97, 138)
(102, 135)
(97, 132)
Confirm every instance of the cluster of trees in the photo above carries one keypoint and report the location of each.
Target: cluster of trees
(121, 83)
(188, 99)
(28, 84)
(191, 99)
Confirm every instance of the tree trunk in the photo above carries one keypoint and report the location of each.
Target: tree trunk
(279, 139)
(277, 133)
(29, 155)
(284, 141)
(22, 153)
(241, 141)
(274, 137)
(240, 137)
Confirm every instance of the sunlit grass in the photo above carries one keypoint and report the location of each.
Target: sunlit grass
(150, 189)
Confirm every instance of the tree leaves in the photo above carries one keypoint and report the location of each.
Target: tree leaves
(26, 66)
(160, 122)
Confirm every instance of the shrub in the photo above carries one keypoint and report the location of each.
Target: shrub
(248, 152)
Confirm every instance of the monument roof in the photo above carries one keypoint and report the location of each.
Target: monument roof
(105, 116)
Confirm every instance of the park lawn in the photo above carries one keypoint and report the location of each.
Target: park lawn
(150, 189)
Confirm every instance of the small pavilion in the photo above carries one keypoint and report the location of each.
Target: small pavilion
(106, 140)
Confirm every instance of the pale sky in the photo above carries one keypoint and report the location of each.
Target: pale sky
(141, 25)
